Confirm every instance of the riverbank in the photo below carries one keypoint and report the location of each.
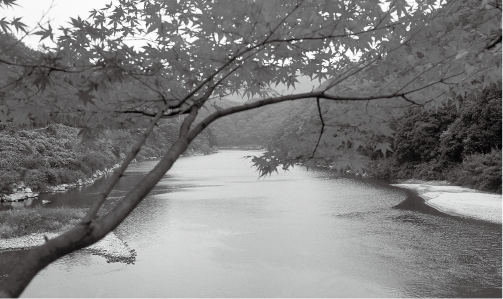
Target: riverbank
(457, 201)
(111, 247)
(21, 192)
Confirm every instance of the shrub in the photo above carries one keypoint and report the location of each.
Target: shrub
(96, 161)
(52, 176)
(418, 134)
(380, 168)
(36, 179)
(67, 176)
(480, 171)
(477, 130)
(7, 179)
(33, 161)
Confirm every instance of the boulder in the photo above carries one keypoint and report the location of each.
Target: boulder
(33, 195)
(18, 196)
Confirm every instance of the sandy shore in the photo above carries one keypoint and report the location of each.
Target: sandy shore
(110, 247)
(457, 201)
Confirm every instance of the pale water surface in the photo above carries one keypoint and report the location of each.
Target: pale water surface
(211, 228)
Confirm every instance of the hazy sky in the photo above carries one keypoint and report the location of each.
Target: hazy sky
(32, 12)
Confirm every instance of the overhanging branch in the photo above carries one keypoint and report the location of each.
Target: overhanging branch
(322, 127)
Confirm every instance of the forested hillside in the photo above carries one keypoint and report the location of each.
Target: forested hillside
(459, 144)
(55, 154)
(60, 152)
(262, 127)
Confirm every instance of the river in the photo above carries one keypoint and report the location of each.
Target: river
(211, 228)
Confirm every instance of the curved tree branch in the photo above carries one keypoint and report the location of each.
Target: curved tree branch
(119, 172)
(87, 233)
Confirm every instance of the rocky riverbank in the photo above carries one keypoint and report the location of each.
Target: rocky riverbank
(457, 201)
(111, 247)
(21, 192)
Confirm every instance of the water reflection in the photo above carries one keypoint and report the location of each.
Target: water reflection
(211, 229)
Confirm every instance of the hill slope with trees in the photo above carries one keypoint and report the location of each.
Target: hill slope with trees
(56, 154)
(461, 146)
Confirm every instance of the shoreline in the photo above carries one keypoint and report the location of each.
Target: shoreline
(24, 193)
(457, 201)
(110, 247)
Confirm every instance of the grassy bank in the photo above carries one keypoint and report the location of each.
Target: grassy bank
(16, 223)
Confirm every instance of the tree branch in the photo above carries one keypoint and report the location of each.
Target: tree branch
(273, 100)
(119, 172)
(322, 127)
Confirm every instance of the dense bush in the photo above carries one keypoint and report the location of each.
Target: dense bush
(480, 171)
(97, 160)
(462, 147)
(48, 156)
(7, 179)
(416, 147)
(36, 179)
(54, 154)
(418, 134)
(477, 130)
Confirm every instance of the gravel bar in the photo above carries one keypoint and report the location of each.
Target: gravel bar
(457, 201)
(110, 247)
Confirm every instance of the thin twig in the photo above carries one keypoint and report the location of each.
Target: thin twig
(322, 127)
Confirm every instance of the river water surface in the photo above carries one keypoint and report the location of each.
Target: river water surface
(211, 228)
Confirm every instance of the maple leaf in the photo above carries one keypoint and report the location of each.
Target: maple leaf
(383, 147)
(41, 80)
(16, 22)
(85, 96)
(45, 33)
(5, 25)
(8, 3)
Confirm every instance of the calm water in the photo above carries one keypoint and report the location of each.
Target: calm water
(212, 229)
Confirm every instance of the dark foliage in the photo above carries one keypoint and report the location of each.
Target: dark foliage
(477, 130)
(479, 171)
(47, 156)
(462, 147)
(418, 134)
(54, 154)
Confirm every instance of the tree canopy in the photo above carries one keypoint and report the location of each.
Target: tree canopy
(150, 59)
